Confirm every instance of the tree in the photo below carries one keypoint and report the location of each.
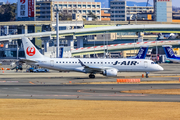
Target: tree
(94, 17)
(7, 12)
(65, 16)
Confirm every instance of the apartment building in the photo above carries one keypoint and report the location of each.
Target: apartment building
(130, 10)
(105, 14)
(80, 7)
(163, 10)
(118, 10)
(44, 10)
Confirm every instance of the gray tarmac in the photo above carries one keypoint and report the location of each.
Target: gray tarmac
(56, 85)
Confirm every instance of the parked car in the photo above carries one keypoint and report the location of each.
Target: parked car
(41, 70)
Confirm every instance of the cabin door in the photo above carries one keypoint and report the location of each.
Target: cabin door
(52, 63)
(145, 64)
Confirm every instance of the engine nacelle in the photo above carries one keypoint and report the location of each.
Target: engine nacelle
(110, 72)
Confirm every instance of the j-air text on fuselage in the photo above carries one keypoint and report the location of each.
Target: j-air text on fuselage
(106, 67)
(126, 63)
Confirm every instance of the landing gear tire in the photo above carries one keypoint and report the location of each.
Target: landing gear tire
(91, 76)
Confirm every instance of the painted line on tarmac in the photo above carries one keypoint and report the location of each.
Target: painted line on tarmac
(92, 95)
(145, 82)
(9, 81)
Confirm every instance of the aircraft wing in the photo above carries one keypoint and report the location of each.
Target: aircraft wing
(93, 68)
(27, 60)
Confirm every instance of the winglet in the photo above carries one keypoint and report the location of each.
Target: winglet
(81, 62)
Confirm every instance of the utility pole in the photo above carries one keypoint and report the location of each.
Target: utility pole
(104, 47)
(57, 10)
(114, 17)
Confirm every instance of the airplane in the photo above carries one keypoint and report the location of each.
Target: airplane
(170, 54)
(107, 67)
(167, 36)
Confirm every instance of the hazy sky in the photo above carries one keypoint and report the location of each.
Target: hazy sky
(175, 2)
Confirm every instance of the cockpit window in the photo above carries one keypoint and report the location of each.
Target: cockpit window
(153, 63)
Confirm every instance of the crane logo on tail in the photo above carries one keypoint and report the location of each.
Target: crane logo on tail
(30, 51)
(22, 1)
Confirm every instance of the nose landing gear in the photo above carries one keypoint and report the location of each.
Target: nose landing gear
(91, 76)
(147, 74)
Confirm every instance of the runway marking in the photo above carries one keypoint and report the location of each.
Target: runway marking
(2, 81)
(109, 94)
(95, 95)
(12, 81)
(9, 81)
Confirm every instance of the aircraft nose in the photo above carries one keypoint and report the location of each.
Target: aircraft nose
(160, 68)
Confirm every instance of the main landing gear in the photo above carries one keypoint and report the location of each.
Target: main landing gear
(91, 76)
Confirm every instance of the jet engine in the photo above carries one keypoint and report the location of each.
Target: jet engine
(110, 72)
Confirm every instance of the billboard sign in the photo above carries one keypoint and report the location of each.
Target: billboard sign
(25, 8)
(30, 8)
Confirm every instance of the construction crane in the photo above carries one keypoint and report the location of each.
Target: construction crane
(147, 3)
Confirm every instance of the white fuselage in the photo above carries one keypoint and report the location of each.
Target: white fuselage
(122, 65)
(174, 60)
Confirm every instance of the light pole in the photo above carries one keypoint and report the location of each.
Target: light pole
(17, 49)
(57, 10)
(107, 45)
(114, 17)
(104, 46)
(134, 46)
(94, 47)
(156, 50)
(76, 13)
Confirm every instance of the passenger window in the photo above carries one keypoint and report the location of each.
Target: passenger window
(98, 62)
(111, 62)
(91, 62)
(63, 62)
(72, 62)
(105, 62)
(69, 62)
(84, 62)
(118, 62)
(88, 62)
(59, 62)
(108, 62)
(66, 62)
